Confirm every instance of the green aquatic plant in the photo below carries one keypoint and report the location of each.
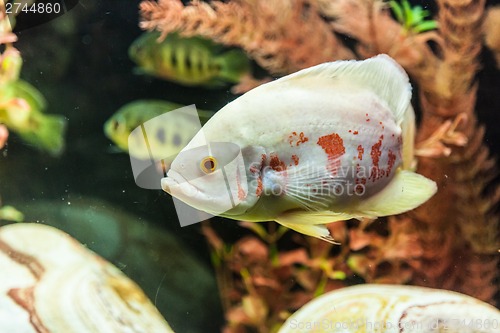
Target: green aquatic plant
(22, 105)
(412, 19)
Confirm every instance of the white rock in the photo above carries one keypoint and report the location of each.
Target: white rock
(50, 283)
(394, 308)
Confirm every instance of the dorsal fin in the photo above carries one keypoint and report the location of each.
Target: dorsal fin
(380, 74)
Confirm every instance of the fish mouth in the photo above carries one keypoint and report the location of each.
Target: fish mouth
(176, 185)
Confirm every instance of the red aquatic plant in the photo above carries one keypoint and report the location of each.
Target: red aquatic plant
(284, 46)
(262, 283)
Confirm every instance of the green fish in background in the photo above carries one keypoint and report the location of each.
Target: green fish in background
(21, 110)
(190, 61)
(168, 138)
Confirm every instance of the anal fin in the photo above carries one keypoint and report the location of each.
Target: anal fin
(301, 217)
(314, 230)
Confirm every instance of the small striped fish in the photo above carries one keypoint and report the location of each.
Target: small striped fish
(167, 139)
(192, 61)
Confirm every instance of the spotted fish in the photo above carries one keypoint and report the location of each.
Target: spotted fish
(328, 143)
(166, 139)
(189, 61)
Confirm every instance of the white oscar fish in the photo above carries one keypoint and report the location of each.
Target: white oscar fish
(328, 143)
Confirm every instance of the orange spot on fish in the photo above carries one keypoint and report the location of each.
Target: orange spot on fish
(258, 191)
(359, 189)
(390, 162)
(241, 192)
(295, 159)
(255, 168)
(361, 151)
(297, 139)
(276, 164)
(355, 133)
(302, 138)
(375, 154)
(361, 180)
(333, 145)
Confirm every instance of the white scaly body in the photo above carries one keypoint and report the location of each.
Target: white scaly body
(331, 142)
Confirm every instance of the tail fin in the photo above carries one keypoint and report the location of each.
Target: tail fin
(47, 133)
(234, 64)
(406, 191)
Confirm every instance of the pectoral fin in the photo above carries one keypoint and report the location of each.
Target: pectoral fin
(318, 230)
(406, 191)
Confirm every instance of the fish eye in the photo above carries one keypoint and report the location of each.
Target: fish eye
(208, 164)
